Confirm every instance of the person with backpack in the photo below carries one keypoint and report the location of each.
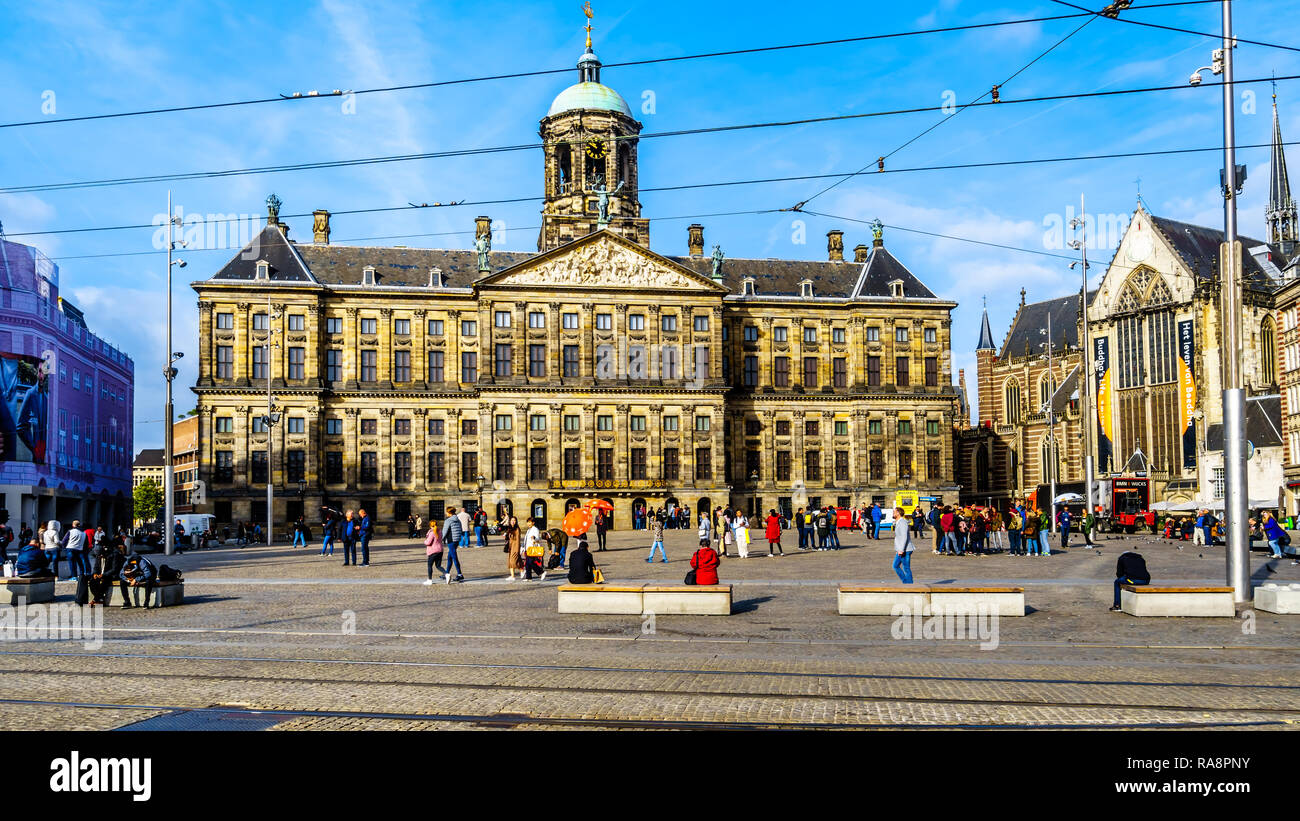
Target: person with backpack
(480, 528)
(433, 553)
(452, 533)
(961, 529)
(822, 523)
(534, 550)
(299, 533)
(1030, 533)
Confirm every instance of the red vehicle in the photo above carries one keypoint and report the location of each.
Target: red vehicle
(1126, 504)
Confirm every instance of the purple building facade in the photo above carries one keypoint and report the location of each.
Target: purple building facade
(66, 404)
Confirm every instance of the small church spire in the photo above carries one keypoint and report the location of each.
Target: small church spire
(986, 333)
(1281, 212)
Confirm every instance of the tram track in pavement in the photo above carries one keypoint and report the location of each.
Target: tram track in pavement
(592, 685)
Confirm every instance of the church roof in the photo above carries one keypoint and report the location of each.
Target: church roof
(1279, 186)
(1032, 318)
(1198, 245)
(986, 335)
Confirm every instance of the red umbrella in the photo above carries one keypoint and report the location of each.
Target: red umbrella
(600, 504)
(577, 522)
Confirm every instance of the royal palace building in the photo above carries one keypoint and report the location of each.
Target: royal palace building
(407, 381)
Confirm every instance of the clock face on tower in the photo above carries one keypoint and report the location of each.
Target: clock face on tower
(596, 149)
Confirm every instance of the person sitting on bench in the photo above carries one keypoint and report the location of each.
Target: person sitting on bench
(582, 567)
(106, 568)
(705, 563)
(32, 561)
(139, 571)
(1130, 569)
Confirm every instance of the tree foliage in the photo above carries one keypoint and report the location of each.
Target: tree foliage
(148, 500)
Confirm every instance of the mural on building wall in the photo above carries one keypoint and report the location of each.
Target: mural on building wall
(1105, 401)
(24, 407)
(1187, 392)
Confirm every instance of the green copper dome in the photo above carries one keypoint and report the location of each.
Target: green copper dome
(591, 96)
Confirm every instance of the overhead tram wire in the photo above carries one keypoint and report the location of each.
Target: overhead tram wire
(992, 92)
(696, 186)
(1218, 36)
(273, 169)
(280, 98)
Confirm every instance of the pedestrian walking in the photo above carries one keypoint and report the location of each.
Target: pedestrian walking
(657, 539)
(433, 548)
(773, 533)
(903, 548)
(1063, 520)
(742, 535)
(876, 516)
(534, 550)
(511, 534)
(466, 526)
(329, 531)
(453, 536)
(602, 527)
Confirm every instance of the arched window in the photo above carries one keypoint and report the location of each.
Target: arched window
(1267, 352)
(1011, 401)
(538, 511)
(1046, 387)
(625, 164)
(1049, 458)
(565, 167)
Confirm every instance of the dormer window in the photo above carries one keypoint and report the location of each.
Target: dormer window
(896, 288)
(806, 288)
(368, 275)
(747, 286)
(435, 277)
(263, 270)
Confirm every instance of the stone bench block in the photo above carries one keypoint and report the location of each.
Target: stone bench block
(880, 600)
(688, 600)
(1003, 601)
(170, 593)
(1212, 602)
(600, 599)
(1277, 598)
(33, 590)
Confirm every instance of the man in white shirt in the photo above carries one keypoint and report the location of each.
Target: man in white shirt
(465, 526)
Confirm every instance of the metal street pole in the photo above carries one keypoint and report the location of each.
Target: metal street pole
(1236, 498)
(270, 423)
(169, 414)
(1087, 372)
(1050, 468)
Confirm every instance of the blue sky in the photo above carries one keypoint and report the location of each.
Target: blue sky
(106, 57)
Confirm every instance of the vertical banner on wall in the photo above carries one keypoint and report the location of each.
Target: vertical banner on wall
(1186, 393)
(1105, 401)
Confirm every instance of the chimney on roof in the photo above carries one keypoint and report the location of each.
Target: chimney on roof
(695, 239)
(835, 245)
(320, 227)
(860, 253)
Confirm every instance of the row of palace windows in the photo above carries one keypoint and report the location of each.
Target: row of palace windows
(571, 321)
(812, 427)
(839, 371)
(812, 465)
(295, 465)
(468, 427)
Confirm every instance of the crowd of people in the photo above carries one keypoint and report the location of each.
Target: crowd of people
(1023, 530)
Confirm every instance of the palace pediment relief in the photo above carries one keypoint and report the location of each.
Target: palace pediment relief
(602, 260)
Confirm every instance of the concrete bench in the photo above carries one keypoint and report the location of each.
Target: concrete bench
(1004, 601)
(688, 599)
(1277, 598)
(33, 589)
(881, 599)
(170, 593)
(1145, 600)
(635, 600)
(601, 599)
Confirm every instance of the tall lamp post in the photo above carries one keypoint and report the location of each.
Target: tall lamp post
(1080, 224)
(269, 422)
(1236, 500)
(169, 413)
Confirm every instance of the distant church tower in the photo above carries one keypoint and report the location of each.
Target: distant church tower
(589, 140)
(1281, 213)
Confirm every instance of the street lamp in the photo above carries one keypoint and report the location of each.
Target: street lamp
(1232, 176)
(753, 502)
(482, 482)
(1080, 244)
(169, 375)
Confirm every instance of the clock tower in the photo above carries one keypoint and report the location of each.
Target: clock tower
(589, 141)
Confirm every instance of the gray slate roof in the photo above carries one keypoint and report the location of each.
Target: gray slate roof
(843, 280)
(1032, 317)
(342, 264)
(149, 458)
(1198, 245)
(1263, 424)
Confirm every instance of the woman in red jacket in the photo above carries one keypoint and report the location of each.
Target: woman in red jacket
(705, 561)
(773, 534)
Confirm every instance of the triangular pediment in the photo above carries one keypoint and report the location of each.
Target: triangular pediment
(602, 260)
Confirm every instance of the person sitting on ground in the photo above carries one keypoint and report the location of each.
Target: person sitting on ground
(32, 561)
(1131, 568)
(705, 563)
(582, 567)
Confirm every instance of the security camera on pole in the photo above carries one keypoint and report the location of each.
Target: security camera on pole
(169, 374)
(1232, 177)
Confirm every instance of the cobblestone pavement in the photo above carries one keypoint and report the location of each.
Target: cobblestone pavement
(328, 647)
